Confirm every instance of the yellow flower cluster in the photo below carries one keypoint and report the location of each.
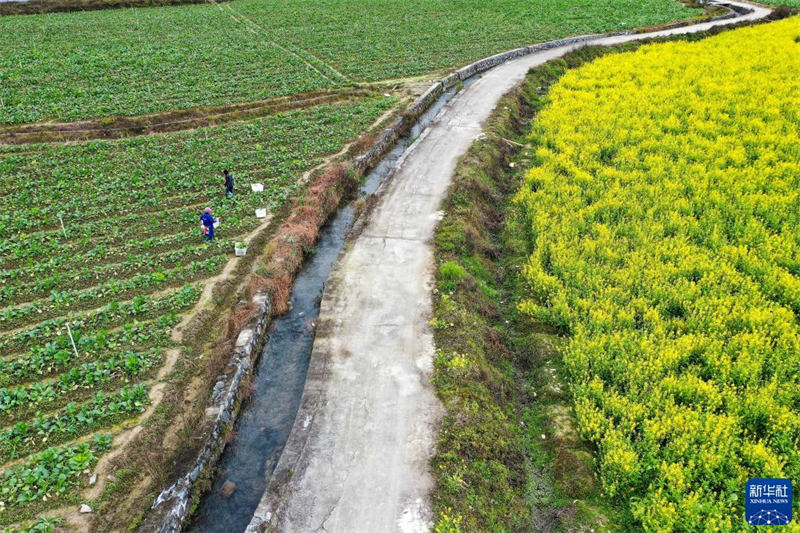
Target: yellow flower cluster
(663, 212)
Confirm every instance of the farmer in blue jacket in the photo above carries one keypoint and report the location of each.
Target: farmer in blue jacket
(208, 224)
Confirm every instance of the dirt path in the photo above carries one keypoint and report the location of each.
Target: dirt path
(358, 456)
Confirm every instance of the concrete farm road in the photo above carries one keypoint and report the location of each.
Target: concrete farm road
(357, 459)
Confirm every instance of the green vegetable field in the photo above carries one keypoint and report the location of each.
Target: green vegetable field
(128, 262)
(79, 65)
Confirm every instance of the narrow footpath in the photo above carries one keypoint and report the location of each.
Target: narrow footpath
(357, 459)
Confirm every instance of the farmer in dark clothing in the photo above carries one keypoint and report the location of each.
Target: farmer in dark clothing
(228, 182)
(208, 224)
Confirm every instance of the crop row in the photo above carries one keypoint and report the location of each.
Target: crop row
(97, 255)
(16, 401)
(49, 474)
(43, 524)
(44, 360)
(79, 300)
(668, 247)
(121, 226)
(47, 278)
(121, 242)
(113, 314)
(71, 421)
(90, 209)
(106, 233)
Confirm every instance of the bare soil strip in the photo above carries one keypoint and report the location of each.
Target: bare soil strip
(168, 121)
(358, 456)
(32, 7)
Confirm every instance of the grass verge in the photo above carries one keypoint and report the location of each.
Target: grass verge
(509, 457)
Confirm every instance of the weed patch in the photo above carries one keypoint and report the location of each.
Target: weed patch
(494, 470)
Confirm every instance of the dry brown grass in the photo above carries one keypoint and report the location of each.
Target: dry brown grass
(364, 142)
(220, 354)
(298, 234)
(238, 318)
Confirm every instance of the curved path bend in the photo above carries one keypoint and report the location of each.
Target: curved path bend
(357, 459)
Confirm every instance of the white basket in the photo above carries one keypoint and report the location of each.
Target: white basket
(240, 252)
(257, 187)
(261, 213)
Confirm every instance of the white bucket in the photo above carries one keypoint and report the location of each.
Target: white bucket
(257, 187)
(261, 213)
(240, 252)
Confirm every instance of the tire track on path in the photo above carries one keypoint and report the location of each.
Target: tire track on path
(285, 47)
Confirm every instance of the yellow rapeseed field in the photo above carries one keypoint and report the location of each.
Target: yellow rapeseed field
(664, 215)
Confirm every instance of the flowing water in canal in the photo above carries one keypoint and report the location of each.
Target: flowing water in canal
(267, 417)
